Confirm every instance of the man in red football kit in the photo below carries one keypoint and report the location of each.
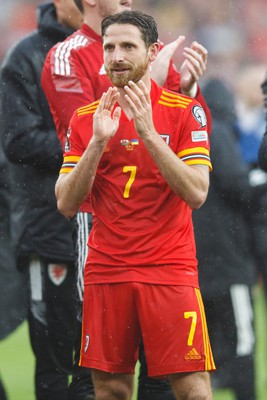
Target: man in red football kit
(74, 76)
(142, 153)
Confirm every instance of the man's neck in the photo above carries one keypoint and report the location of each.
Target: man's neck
(93, 23)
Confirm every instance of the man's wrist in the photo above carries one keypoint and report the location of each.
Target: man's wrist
(192, 92)
(99, 144)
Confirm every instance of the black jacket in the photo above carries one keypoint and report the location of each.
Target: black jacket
(32, 147)
(263, 146)
(263, 153)
(12, 295)
(223, 234)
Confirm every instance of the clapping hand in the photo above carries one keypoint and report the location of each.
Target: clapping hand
(106, 123)
(193, 68)
(138, 97)
(160, 66)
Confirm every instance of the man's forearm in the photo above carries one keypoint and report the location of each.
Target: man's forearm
(188, 182)
(73, 188)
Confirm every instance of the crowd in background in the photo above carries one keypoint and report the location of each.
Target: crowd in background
(234, 32)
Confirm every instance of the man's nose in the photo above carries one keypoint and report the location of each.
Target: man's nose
(118, 55)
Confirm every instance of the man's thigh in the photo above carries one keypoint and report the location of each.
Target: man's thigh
(111, 330)
(174, 329)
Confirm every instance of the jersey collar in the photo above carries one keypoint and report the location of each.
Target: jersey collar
(90, 32)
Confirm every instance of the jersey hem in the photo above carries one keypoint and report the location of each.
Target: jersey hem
(107, 367)
(148, 282)
(163, 372)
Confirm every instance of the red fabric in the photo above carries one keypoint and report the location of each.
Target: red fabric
(71, 78)
(142, 231)
(172, 321)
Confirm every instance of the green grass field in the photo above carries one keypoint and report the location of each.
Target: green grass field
(17, 362)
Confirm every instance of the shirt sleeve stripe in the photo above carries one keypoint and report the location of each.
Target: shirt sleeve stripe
(62, 54)
(199, 161)
(176, 105)
(175, 100)
(177, 97)
(209, 361)
(196, 156)
(69, 163)
(193, 150)
(65, 170)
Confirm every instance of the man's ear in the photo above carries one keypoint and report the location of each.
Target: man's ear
(153, 51)
(91, 3)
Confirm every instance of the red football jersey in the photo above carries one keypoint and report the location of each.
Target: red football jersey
(142, 231)
(74, 75)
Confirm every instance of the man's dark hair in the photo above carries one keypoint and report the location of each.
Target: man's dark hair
(145, 23)
(79, 4)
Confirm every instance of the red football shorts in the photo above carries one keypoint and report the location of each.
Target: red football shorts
(170, 319)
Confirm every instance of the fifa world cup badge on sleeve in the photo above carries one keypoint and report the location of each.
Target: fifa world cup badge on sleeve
(199, 115)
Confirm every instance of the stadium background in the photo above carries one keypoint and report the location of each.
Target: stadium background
(233, 31)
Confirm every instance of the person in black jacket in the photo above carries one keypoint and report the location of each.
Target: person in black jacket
(3, 395)
(263, 151)
(263, 146)
(249, 129)
(227, 270)
(42, 237)
(13, 293)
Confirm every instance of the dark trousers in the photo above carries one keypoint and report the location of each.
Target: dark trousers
(231, 330)
(52, 324)
(81, 386)
(3, 395)
(149, 388)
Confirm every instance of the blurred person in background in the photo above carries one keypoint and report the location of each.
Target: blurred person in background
(263, 152)
(3, 395)
(13, 288)
(42, 238)
(250, 121)
(262, 155)
(74, 76)
(250, 128)
(227, 270)
(17, 19)
(13, 283)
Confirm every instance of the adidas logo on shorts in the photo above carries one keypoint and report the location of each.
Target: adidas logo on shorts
(192, 355)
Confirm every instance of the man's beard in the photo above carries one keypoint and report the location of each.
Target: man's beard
(134, 73)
